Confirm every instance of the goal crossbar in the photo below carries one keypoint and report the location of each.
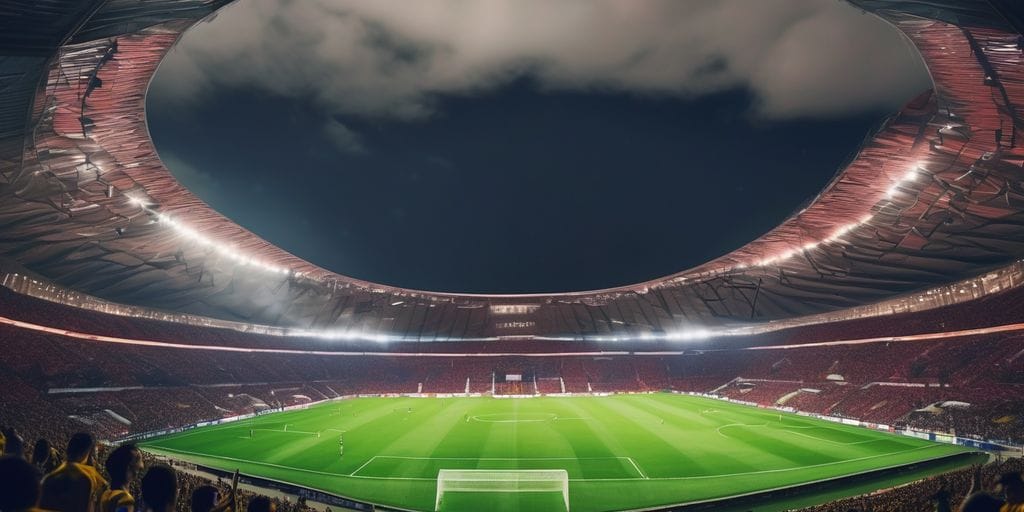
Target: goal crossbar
(511, 480)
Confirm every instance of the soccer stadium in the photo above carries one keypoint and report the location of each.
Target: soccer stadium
(867, 353)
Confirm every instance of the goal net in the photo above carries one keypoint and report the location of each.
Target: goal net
(487, 480)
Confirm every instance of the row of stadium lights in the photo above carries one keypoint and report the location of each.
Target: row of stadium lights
(907, 177)
(222, 250)
(682, 335)
(352, 335)
(693, 334)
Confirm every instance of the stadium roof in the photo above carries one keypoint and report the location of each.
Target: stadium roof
(933, 196)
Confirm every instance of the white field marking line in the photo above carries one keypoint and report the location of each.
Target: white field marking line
(551, 417)
(788, 431)
(247, 461)
(637, 468)
(360, 468)
(497, 458)
(658, 478)
(719, 429)
(834, 442)
(639, 471)
(333, 430)
(763, 471)
(282, 431)
(211, 428)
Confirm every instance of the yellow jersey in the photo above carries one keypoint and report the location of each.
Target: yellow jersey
(114, 500)
(72, 487)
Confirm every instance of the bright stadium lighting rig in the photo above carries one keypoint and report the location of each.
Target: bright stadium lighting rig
(908, 177)
(352, 336)
(692, 334)
(194, 236)
(360, 335)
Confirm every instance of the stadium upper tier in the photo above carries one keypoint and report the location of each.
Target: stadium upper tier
(933, 196)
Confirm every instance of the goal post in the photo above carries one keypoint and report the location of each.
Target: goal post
(497, 481)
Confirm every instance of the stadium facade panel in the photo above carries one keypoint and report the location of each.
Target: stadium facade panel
(933, 196)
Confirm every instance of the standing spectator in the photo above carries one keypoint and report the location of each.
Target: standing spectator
(1013, 490)
(15, 445)
(204, 498)
(44, 457)
(159, 489)
(123, 465)
(76, 485)
(261, 504)
(981, 502)
(19, 485)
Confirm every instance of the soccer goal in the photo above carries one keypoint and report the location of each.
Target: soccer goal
(487, 480)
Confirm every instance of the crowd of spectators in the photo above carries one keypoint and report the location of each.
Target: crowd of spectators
(990, 487)
(1006, 307)
(885, 382)
(83, 476)
(995, 420)
(114, 389)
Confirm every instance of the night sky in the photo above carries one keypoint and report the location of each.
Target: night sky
(505, 185)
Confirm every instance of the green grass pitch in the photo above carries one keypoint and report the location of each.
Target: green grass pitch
(621, 452)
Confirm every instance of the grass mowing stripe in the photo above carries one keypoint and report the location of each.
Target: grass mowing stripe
(631, 452)
(623, 465)
(593, 430)
(656, 439)
(762, 471)
(353, 475)
(247, 461)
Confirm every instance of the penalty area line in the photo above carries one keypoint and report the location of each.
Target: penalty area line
(626, 461)
(496, 458)
(637, 468)
(283, 431)
(360, 468)
(245, 461)
(788, 430)
(768, 471)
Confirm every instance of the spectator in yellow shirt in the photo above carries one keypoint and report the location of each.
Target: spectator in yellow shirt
(76, 485)
(123, 465)
(44, 457)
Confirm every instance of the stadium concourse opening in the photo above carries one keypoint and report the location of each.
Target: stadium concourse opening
(867, 353)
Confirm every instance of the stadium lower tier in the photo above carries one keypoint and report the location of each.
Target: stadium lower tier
(969, 385)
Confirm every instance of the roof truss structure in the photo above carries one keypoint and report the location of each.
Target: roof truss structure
(935, 195)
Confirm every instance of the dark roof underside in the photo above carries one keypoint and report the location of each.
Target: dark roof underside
(935, 195)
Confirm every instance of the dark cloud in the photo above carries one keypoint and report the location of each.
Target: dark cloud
(391, 58)
(343, 138)
(193, 178)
